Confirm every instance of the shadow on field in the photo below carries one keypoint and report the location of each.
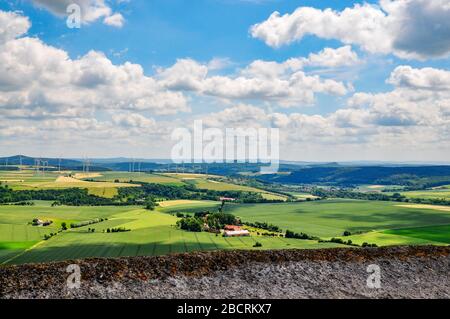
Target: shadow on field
(393, 219)
(73, 252)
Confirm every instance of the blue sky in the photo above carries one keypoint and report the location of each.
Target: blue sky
(159, 32)
(156, 34)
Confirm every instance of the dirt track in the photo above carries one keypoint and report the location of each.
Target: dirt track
(406, 272)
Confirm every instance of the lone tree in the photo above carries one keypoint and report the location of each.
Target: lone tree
(221, 206)
(150, 204)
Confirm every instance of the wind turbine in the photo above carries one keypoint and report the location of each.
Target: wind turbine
(37, 163)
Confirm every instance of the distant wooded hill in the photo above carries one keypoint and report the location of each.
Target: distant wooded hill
(26, 160)
(51, 163)
(303, 173)
(404, 175)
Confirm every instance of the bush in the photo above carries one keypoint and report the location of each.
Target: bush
(192, 224)
(150, 205)
(347, 233)
(219, 220)
(118, 230)
(369, 245)
(48, 236)
(257, 244)
(86, 223)
(264, 226)
(337, 240)
(291, 234)
(201, 214)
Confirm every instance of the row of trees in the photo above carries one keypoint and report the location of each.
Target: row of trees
(71, 197)
(265, 226)
(303, 236)
(89, 222)
(118, 230)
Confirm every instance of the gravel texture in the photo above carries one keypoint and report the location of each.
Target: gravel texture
(406, 272)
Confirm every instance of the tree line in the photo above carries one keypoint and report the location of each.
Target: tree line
(145, 195)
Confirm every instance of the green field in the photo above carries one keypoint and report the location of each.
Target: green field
(125, 177)
(203, 182)
(106, 184)
(443, 193)
(378, 188)
(433, 233)
(437, 235)
(28, 179)
(331, 218)
(302, 196)
(188, 206)
(152, 233)
(381, 238)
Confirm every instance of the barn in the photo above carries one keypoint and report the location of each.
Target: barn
(236, 233)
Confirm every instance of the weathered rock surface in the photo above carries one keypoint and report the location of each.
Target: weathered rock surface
(406, 272)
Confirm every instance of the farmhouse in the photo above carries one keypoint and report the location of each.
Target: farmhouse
(227, 199)
(232, 228)
(42, 223)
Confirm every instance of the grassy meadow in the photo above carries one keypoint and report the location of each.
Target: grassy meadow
(125, 177)
(441, 192)
(29, 179)
(152, 233)
(331, 218)
(106, 184)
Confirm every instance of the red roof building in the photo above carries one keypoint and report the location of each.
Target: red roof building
(232, 228)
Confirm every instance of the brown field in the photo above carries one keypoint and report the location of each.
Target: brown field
(422, 206)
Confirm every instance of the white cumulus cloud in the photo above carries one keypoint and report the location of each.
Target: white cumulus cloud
(417, 29)
(284, 83)
(12, 25)
(91, 10)
(40, 80)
